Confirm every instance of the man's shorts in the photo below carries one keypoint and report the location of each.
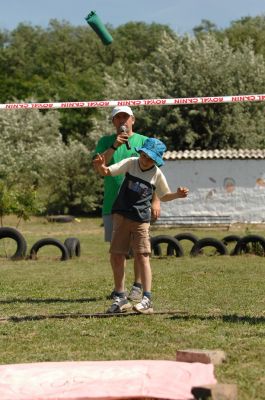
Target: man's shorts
(108, 226)
(128, 234)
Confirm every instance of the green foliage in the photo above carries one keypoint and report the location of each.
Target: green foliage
(205, 26)
(246, 30)
(135, 41)
(26, 203)
(71, 186)
(34, 155)
(22, 202)
(23, 135)
(7, 201)
(198, 67)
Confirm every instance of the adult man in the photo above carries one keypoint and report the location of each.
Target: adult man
(114, 148)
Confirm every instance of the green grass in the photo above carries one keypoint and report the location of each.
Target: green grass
(219, 303)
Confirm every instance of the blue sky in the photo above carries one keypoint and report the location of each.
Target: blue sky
(180, 15)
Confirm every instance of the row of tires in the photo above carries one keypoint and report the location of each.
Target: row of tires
(69, 249)
(174, 247)
(71, 246)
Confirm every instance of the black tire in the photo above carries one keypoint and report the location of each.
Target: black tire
(187, 236)
(156, 248)
(182, 236)
(170, 240)
(60, 218)
(12, 233)
(46, 242)
(230, 239)
(73, 246)
(206, 242)
(246, 240)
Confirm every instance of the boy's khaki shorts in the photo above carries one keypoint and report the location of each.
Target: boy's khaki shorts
(128, 234)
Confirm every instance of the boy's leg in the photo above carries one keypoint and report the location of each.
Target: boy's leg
(143, 262)
(135, 293)
(118, 249)
(136, 290)
(118, 268)
(145, 305)
(120, 303)
(142, 251)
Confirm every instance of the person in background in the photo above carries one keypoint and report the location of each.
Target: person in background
(132, 215)
(116, 147)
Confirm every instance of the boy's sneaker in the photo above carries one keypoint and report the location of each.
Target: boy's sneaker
(144, 307)
(113, 295)
(120, 305)
(135, 294)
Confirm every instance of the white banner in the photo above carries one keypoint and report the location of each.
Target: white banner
(135, 103)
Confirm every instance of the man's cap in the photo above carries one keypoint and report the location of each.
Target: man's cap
(118, 109)
(154, 148)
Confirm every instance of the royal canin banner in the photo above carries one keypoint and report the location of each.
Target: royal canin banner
(135, 103)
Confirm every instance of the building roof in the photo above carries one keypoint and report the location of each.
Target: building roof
(215, 154)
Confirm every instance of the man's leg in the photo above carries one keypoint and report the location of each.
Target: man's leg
(107, 222)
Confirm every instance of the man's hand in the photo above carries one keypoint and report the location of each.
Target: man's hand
(122, 138)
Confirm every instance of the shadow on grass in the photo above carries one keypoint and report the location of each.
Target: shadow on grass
(234, 318)
(51, 300)
(40, 317)
(225, 318)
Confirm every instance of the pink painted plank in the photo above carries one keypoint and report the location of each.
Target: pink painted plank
(86, 380)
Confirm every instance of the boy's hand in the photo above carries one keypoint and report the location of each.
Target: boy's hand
(99, 165)
(182, 192)
(155, 208)
(99, 160)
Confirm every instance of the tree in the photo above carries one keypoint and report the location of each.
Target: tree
(246, 30)
(70, 184)
(205, 26)
(199, 67)
(34, 157)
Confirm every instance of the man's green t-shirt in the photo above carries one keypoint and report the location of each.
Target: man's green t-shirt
(112, 184)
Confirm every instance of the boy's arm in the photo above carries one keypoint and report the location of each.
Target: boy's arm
(103, 149)
(108, 154)
(114, 169)
(181, 193)
(155, 206)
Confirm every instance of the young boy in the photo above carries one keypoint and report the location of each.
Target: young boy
(131, 217)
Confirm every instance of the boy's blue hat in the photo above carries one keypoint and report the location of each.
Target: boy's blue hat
(154, 148)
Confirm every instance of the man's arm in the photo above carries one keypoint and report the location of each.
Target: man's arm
(121, 138)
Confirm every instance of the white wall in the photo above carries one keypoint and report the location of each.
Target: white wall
(210, 193)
